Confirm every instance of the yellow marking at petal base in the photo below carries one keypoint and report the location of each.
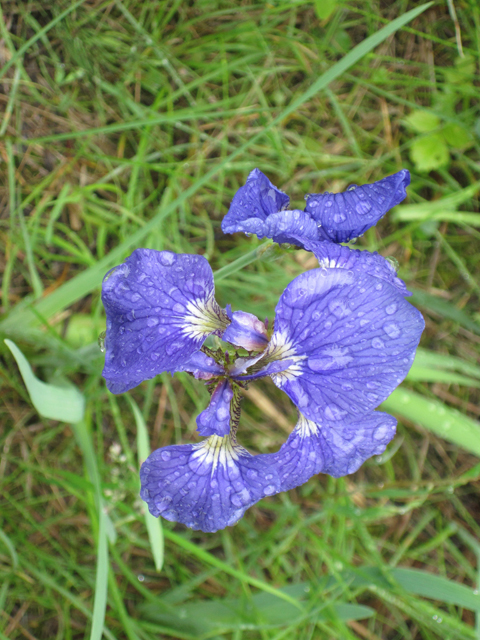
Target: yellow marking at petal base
(217, 450)
(281, 347)
(203, 317)
(306, 427)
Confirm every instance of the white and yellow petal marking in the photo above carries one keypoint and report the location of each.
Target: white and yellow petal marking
(281, 347)
(200, 318)
(217, 451)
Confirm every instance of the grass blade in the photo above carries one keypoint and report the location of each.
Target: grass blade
(101, 581)
(428, 585)
(154, 525)
(436, 417)
(39, 35)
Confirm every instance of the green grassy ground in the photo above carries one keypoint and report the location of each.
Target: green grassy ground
(129, 124)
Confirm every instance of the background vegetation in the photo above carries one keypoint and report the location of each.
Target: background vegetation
(128, 124)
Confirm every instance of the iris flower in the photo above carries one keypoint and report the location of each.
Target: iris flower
(344, 337)
(260, 208)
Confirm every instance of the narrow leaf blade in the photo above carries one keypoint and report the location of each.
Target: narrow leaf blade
(66, 404)
(154, 525)
(436, 417)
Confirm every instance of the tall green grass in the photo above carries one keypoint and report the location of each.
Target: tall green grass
(131, 124)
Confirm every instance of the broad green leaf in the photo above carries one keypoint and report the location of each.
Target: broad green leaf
(430, 152)
(64, 403)
(420, 583)
(456, 136)
(324, 8)
(262, 610)
(441, 420)
(429, 585)
(464, 70)
(82, 329)
(154, 525)
(423, 121)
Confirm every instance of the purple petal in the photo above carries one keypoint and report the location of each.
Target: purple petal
(215, 420)
(252, 203)
(206, 486)
(202, 366)
(293, 227)
(334, 448)
(343, 216)
(242, 364)
(245, 330)
(352, 338)
(331, 255)
(160, 308)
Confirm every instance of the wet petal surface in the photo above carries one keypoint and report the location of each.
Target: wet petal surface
(160, 308)
(332, 256)
(352, 338)
(202, 367)
(252, 203)
(206, 486)
(336, 449)
(293, 227)
(347, 215)
(215, 420)
(245, 330)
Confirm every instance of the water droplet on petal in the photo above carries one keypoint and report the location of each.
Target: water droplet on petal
(101, 341)
(393, 262)
(362, 208)
(391, 329)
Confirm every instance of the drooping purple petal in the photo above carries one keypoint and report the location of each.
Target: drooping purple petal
(293, 227)
(245, 330)
(202, 367)
(160, 308)
(215, 419)
(343, 216)
(334, 448)
(206, 486)
(331, 255)
(252, 203)
(352, 338)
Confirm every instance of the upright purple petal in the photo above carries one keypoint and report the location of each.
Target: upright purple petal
(215, 420)
(206, 486)
(252, 203)
(245, 330)
(343, 216)
(334, 448)
(160, 308)
(351, 337)
(331, 255)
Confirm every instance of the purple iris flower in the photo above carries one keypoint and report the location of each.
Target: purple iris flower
(344, 337)
(260, 208)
